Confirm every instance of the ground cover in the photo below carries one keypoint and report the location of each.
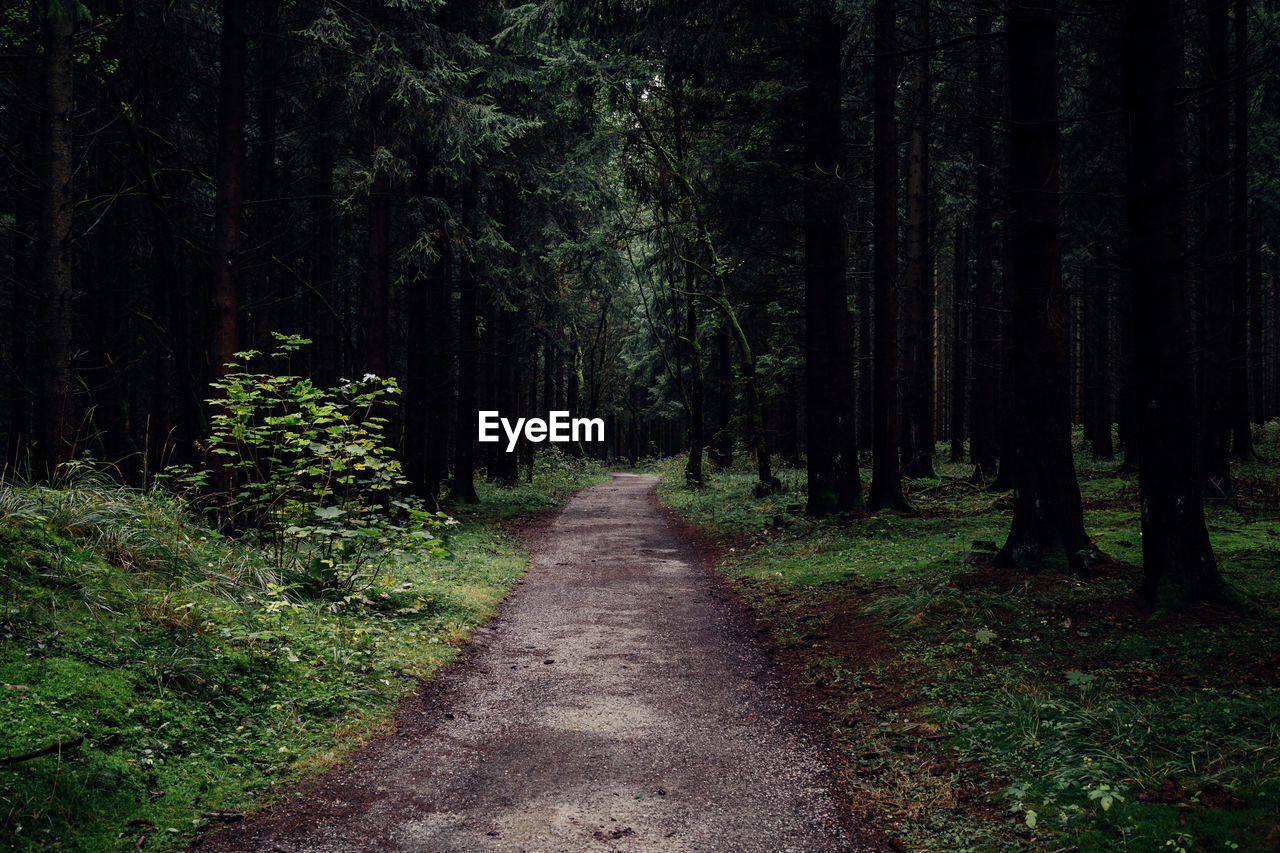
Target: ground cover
(175, 679)
(988, 710)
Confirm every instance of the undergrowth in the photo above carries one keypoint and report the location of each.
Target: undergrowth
(176, 679)
(993, 710)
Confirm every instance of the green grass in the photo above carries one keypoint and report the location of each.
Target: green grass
(1032, 710)
(196, 682)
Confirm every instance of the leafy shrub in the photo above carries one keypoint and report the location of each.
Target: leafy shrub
(306, 472)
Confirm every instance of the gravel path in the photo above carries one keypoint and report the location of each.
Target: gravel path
(615, 704)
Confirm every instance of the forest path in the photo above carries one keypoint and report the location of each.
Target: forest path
(616, 703)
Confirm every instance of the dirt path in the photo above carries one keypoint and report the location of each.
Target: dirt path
(615, 704)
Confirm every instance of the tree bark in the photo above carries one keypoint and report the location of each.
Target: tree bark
(723, 439)
(831, 439)
(1215, 404)
(1097, 359)
(1241, 433)
(464, 449)
(692, 340)
(886, 476)
(1178, 562)
(54, 288)
(229, 187)
(983, 445)
(959, 341)
(917, 287)
(376, 322)
(1048, 520)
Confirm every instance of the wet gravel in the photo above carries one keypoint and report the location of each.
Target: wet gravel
(617, 703)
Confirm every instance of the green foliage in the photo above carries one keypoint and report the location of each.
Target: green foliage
(196, 677)
(986, 711)
(308, 472)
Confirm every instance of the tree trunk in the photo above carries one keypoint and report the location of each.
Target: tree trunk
(1098, 322)
(464, 449)
(1215, 404)
(18, 324)
(693, 474)
(866, 357)
(917, 287)
(830, 424)
(324, 271)
(983, 446)
(440, 372)
(959, 341)
(766, 483)
(1241, 434)
(229, 187)
(506, 466)
(886, 476)
(420, 352)
(573, 394)
(723, 440)
(376, 322)
(1048, 520)
(54, 294)
(1178, 562)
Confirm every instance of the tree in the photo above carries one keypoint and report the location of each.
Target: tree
(54, 302)
(886, 475)
(1048, 520)
(228, 188)
(1178, 561)
(1215, 273)
(983, 445)
(917, 287)
(830, 423)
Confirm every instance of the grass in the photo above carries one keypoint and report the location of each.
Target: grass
(991, 710)
(185, 681)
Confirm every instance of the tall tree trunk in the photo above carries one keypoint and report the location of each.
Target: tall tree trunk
(573, 392)
(830, 423)
(419, 354)
(265, 287)
(376, 304)
(917, 428)
(766, 483)
(1215, 404)
(1241, 434)
(506, 466)
(722, 442)
(1258, 337)
(959, 341)
(54, 294)
(324, 270)
(1097, 359)
(886, 476)
(439, 375)
(983, 445)
(692, 340)
(1048, 520)
(18, 325)
(1178, 562)
(229, 187)
(464, 449)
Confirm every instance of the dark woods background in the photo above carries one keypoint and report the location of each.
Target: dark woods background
(803, 231)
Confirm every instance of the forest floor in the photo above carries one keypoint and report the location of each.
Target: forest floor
(618, 702)
(984, 710)
(158, 680)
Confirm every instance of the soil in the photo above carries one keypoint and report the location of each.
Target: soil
(621, 701)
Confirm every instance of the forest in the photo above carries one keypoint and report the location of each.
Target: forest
(992, 286)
